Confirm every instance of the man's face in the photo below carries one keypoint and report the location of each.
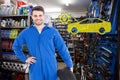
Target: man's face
(38, 17)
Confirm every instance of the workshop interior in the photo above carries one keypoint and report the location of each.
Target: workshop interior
(89, 28)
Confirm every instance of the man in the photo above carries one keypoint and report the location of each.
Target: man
(41, 41)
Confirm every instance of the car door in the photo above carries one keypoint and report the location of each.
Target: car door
(84, 25)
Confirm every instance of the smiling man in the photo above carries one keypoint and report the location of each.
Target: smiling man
(41, 41)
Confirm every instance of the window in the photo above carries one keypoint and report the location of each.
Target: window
(97, 21)
(85, 22)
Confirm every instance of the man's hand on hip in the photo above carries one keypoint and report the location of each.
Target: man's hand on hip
(31, 60)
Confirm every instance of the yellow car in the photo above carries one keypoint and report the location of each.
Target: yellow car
(90, 25)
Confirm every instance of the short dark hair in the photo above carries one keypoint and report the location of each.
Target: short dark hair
(38, 8)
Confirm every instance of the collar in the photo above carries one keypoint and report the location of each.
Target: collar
(45, 27)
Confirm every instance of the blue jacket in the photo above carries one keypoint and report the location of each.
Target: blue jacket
(42, 46)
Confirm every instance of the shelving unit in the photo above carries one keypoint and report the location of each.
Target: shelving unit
(102, 59)
(10, 27)
(66, 37)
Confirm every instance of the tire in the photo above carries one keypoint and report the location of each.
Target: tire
(74, 30)
(102, 30)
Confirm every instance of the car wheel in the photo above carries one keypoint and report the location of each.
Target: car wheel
(102, 30)
(74, 30)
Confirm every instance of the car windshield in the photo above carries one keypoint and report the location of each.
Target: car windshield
(85, 21)
(89, 21)
(97, 21)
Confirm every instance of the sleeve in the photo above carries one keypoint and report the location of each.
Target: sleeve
(17, 47)
(62, 49)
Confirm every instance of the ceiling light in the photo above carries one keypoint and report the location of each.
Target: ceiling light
(67, 2)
